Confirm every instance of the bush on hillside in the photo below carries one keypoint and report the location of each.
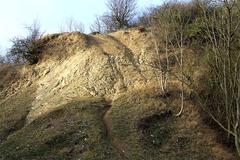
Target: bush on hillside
(27, 49)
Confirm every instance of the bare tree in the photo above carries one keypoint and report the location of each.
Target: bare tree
(72, 25)
(223, 26)
(160, 29)
(97, 26)
(170, 25)
(29, 48)
(179, 19)
(2, 59)
(103, 24)
(144, 18)
(121, 13)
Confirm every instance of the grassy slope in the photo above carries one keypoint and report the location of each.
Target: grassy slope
(140, 125)
(145, 128)
(74, 131)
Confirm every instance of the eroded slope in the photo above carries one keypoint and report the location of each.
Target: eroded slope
(97, 97)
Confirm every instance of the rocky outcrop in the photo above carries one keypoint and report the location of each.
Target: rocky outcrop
(76, 65)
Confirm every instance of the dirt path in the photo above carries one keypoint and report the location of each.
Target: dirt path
(108, 128)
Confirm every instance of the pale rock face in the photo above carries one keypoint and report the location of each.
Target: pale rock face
(85, 66)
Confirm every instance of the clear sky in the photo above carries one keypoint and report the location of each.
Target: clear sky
(15, 14)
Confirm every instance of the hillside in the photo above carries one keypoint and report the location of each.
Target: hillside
(97, 97)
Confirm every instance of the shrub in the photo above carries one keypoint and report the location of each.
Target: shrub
(27, 49)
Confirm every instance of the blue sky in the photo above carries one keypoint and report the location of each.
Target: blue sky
(52, 14)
